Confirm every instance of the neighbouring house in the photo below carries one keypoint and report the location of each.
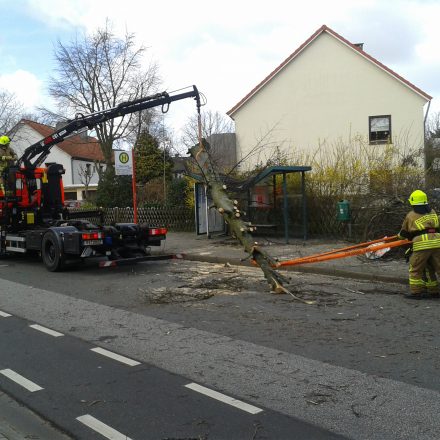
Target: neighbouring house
(80, 156)
(223, 154)
(180, 166)
(328, 90)
(223, 151)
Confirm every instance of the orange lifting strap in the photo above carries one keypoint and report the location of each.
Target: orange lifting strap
(350, 251)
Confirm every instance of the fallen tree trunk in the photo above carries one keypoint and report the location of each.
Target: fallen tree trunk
(233, 217)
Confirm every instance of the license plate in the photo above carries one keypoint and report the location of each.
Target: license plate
(92, 242)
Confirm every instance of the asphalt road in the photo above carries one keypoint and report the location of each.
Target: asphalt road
(362, 362)
(90, 392)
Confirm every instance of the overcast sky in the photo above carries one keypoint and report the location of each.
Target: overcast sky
(225, 48)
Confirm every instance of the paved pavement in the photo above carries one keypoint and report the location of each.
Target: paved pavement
(222, 249)
(16, 422)
(19, 423)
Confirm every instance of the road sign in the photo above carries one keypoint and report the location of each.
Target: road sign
(123, 163)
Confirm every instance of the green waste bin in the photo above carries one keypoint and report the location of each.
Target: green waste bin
(344, 210)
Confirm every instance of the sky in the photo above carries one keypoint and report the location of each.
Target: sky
(224, 48)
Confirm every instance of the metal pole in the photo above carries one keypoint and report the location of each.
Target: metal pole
(207, 211)
(133, 183)
(286, 226)
(304, 204)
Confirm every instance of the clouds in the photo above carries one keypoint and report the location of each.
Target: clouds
(25, 85)
(228, 48)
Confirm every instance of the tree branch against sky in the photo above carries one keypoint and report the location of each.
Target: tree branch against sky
(96, 72)
(11, 111)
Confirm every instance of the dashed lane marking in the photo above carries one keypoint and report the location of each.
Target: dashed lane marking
(101, 428)
(4, 314)
(224, 398)
(115, 356)
(49, 331)
(20, 380)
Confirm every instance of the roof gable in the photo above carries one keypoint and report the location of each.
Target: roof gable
(78, 147)
(303, 46)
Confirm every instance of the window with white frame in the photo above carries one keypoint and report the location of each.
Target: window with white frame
(379, 129)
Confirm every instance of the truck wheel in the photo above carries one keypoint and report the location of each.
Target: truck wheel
(51, 252)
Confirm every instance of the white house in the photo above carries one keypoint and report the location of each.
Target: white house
(78, 154)
(327, 90)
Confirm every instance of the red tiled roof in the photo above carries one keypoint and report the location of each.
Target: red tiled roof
(75, 146)
(322, 29)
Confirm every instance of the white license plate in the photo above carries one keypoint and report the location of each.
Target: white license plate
(92, 242)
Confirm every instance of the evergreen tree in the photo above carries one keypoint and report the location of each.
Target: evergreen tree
(151, 161)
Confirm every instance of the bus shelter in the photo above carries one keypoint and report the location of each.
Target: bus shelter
(254, 194)
(257, 196)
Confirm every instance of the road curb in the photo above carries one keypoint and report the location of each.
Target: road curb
(312, 270)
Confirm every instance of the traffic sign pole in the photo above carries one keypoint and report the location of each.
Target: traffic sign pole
(133, 182)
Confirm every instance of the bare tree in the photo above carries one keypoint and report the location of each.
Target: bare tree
(11, 110)
(98, 72)
(218, 130)
(86, 173)
(432, 127)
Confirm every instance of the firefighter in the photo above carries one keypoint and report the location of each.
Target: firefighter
(421, 226)
(6, 156)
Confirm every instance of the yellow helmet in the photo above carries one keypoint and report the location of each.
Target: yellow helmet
(4, 140)
(418, 197)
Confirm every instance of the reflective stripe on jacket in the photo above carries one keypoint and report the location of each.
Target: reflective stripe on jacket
(419, 225)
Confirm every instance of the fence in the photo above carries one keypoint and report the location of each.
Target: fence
(174, 218)
(368, 220)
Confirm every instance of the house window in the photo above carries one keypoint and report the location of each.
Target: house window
(379, 129)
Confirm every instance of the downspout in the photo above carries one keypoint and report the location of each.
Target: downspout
(424, 121)
(424, 135)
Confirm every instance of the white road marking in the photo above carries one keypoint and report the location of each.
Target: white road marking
(17, 378)
(4, 314)
(115, 356)
(49, 331)
(101, 428)
(224, 398)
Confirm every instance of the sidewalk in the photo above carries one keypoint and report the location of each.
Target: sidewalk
(223, 249)
(19, 423)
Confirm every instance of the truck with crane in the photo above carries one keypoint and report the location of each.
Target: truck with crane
(33, 218)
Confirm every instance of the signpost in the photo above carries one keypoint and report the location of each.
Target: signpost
(125, 166)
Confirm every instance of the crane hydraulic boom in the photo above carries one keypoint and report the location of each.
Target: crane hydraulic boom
(36, 154)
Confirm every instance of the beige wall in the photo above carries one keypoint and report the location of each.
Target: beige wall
(326, 94)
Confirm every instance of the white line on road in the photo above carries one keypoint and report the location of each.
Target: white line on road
(223, 398)
(115, 356)
(49, 331)
(101, 428)
(17, 378)
(4, 314)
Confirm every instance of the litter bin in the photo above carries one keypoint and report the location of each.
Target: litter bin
(344, 214)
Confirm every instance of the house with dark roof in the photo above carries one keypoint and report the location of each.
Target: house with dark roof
(80, 156)
(328, 90)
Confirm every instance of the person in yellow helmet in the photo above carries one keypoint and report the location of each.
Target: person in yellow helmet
(421, 226)
(6, 157)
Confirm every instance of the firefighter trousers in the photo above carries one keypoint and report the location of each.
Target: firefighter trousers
(423, 267)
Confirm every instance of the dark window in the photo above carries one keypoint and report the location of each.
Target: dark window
(379, 129)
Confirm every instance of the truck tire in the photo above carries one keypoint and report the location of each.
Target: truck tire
(52, 252)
